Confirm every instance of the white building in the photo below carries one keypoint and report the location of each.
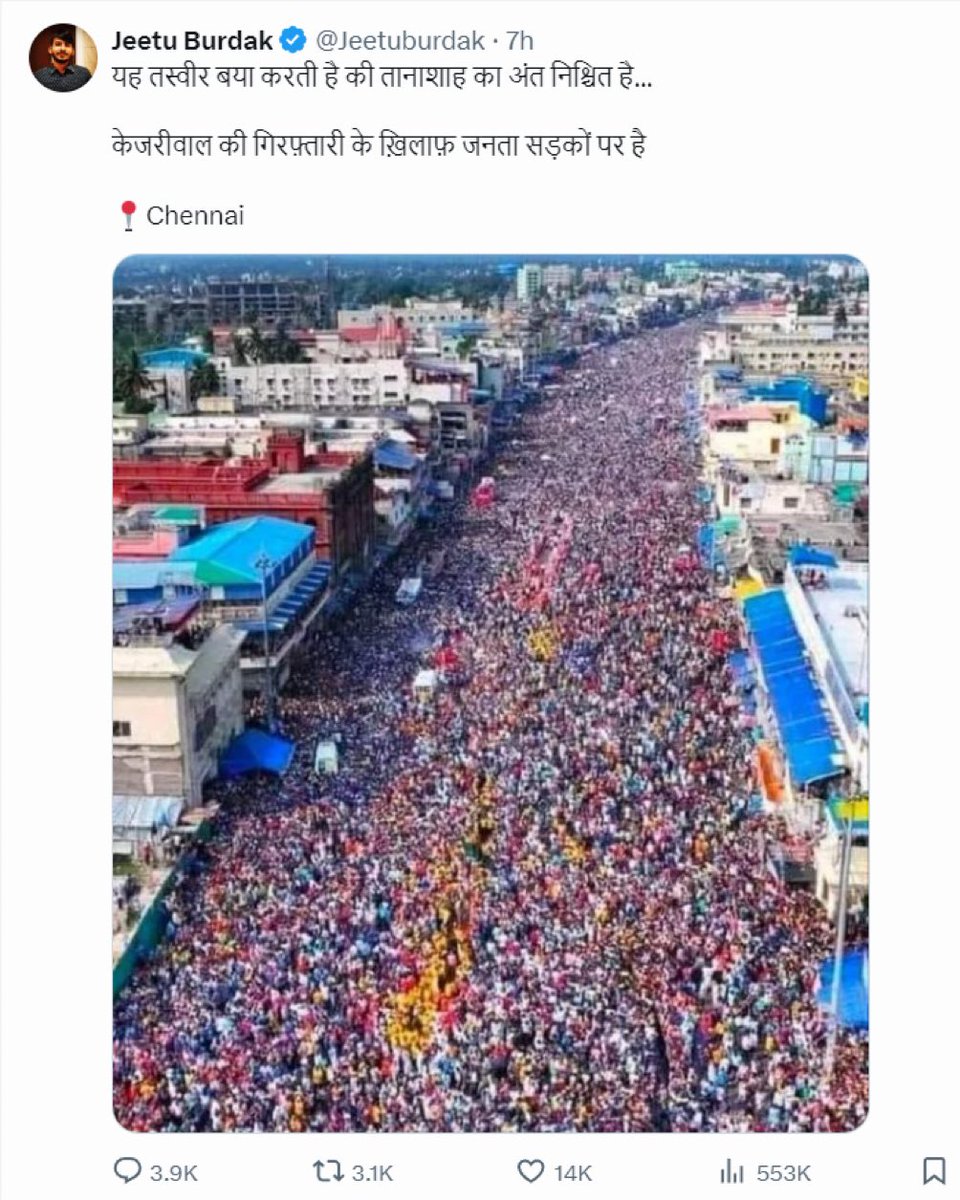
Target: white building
(833, 621)
(169, 388)
(309, 386)
(558, 277)
(530, 282)
(174, 711)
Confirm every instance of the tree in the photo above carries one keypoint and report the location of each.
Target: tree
(240, 350)
(208, 340)
(285, 349)
(257, 345)
(840, 317)
(130, 382)
(466, 346)
(204, 381)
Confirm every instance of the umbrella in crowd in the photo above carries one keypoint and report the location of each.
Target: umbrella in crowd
(536, 903)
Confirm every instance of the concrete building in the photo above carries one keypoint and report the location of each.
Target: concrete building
(306, 387)
(751, 437)
(174, 711)
(826, 360)
(529, 282)
(682, 271)
(331, 491)
(266, 302)
(168, 371)
(558, 278)
(828, 457)
(833, 620)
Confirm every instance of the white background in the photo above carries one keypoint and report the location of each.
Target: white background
(773, 127)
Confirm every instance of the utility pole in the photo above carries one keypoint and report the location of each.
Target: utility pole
(263, 564)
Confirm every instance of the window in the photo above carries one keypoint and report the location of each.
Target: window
(791, 502)
(121, 729)
(745, 502)
(774, 445)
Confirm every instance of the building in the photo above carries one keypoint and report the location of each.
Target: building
(398, 488)
(262, 576)
(330, 491)
(168, 372)
(129, 432)
(682, 272)
(177, 701)
(750, 438)
(169, 316)
(248, 301)
(529, 282)
(369, 382)
(828, 457)
(830, 607)
(832, 618)
(558, 278)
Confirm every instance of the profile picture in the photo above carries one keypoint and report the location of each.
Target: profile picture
(63, 58)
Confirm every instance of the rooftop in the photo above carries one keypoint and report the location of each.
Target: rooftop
(229, 553)
(198, 667)
(842, 612)
(748, 412)
(171, 357)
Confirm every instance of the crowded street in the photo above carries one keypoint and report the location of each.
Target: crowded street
(535, 899)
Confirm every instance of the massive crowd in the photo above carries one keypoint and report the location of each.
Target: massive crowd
(538, 900)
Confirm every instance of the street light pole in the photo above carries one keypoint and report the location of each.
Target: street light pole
(263, 563)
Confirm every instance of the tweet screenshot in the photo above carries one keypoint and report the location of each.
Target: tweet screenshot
(443, 438)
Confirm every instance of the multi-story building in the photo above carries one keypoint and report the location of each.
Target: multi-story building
(245, 301)
(330, 491)
(529, 282)
(372, 383)
(177, 702)
(751, 437)
(558, 277)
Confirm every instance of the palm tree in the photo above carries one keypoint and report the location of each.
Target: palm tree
(257, 345)
(241, 349)
(130, 382)
(204, 380)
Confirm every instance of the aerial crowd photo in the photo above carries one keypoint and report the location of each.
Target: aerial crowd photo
(490, 693)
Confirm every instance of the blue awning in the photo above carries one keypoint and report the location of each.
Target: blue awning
(256, 750)
(254, 625)
(854, 988)
(395, 457)
(306, 590)
(810, 556)
(806, 733)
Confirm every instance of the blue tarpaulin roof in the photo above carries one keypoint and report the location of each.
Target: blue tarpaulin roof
(170, 357)
(229, 553)
(395, 457)
(809, 743)
(810, 556)
(854, 988)
(256, 750)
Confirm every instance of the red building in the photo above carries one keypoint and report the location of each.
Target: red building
(331, 491)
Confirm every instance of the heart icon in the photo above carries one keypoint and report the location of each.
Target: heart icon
(531, 1169)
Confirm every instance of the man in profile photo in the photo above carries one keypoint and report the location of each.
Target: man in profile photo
(63, 74)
